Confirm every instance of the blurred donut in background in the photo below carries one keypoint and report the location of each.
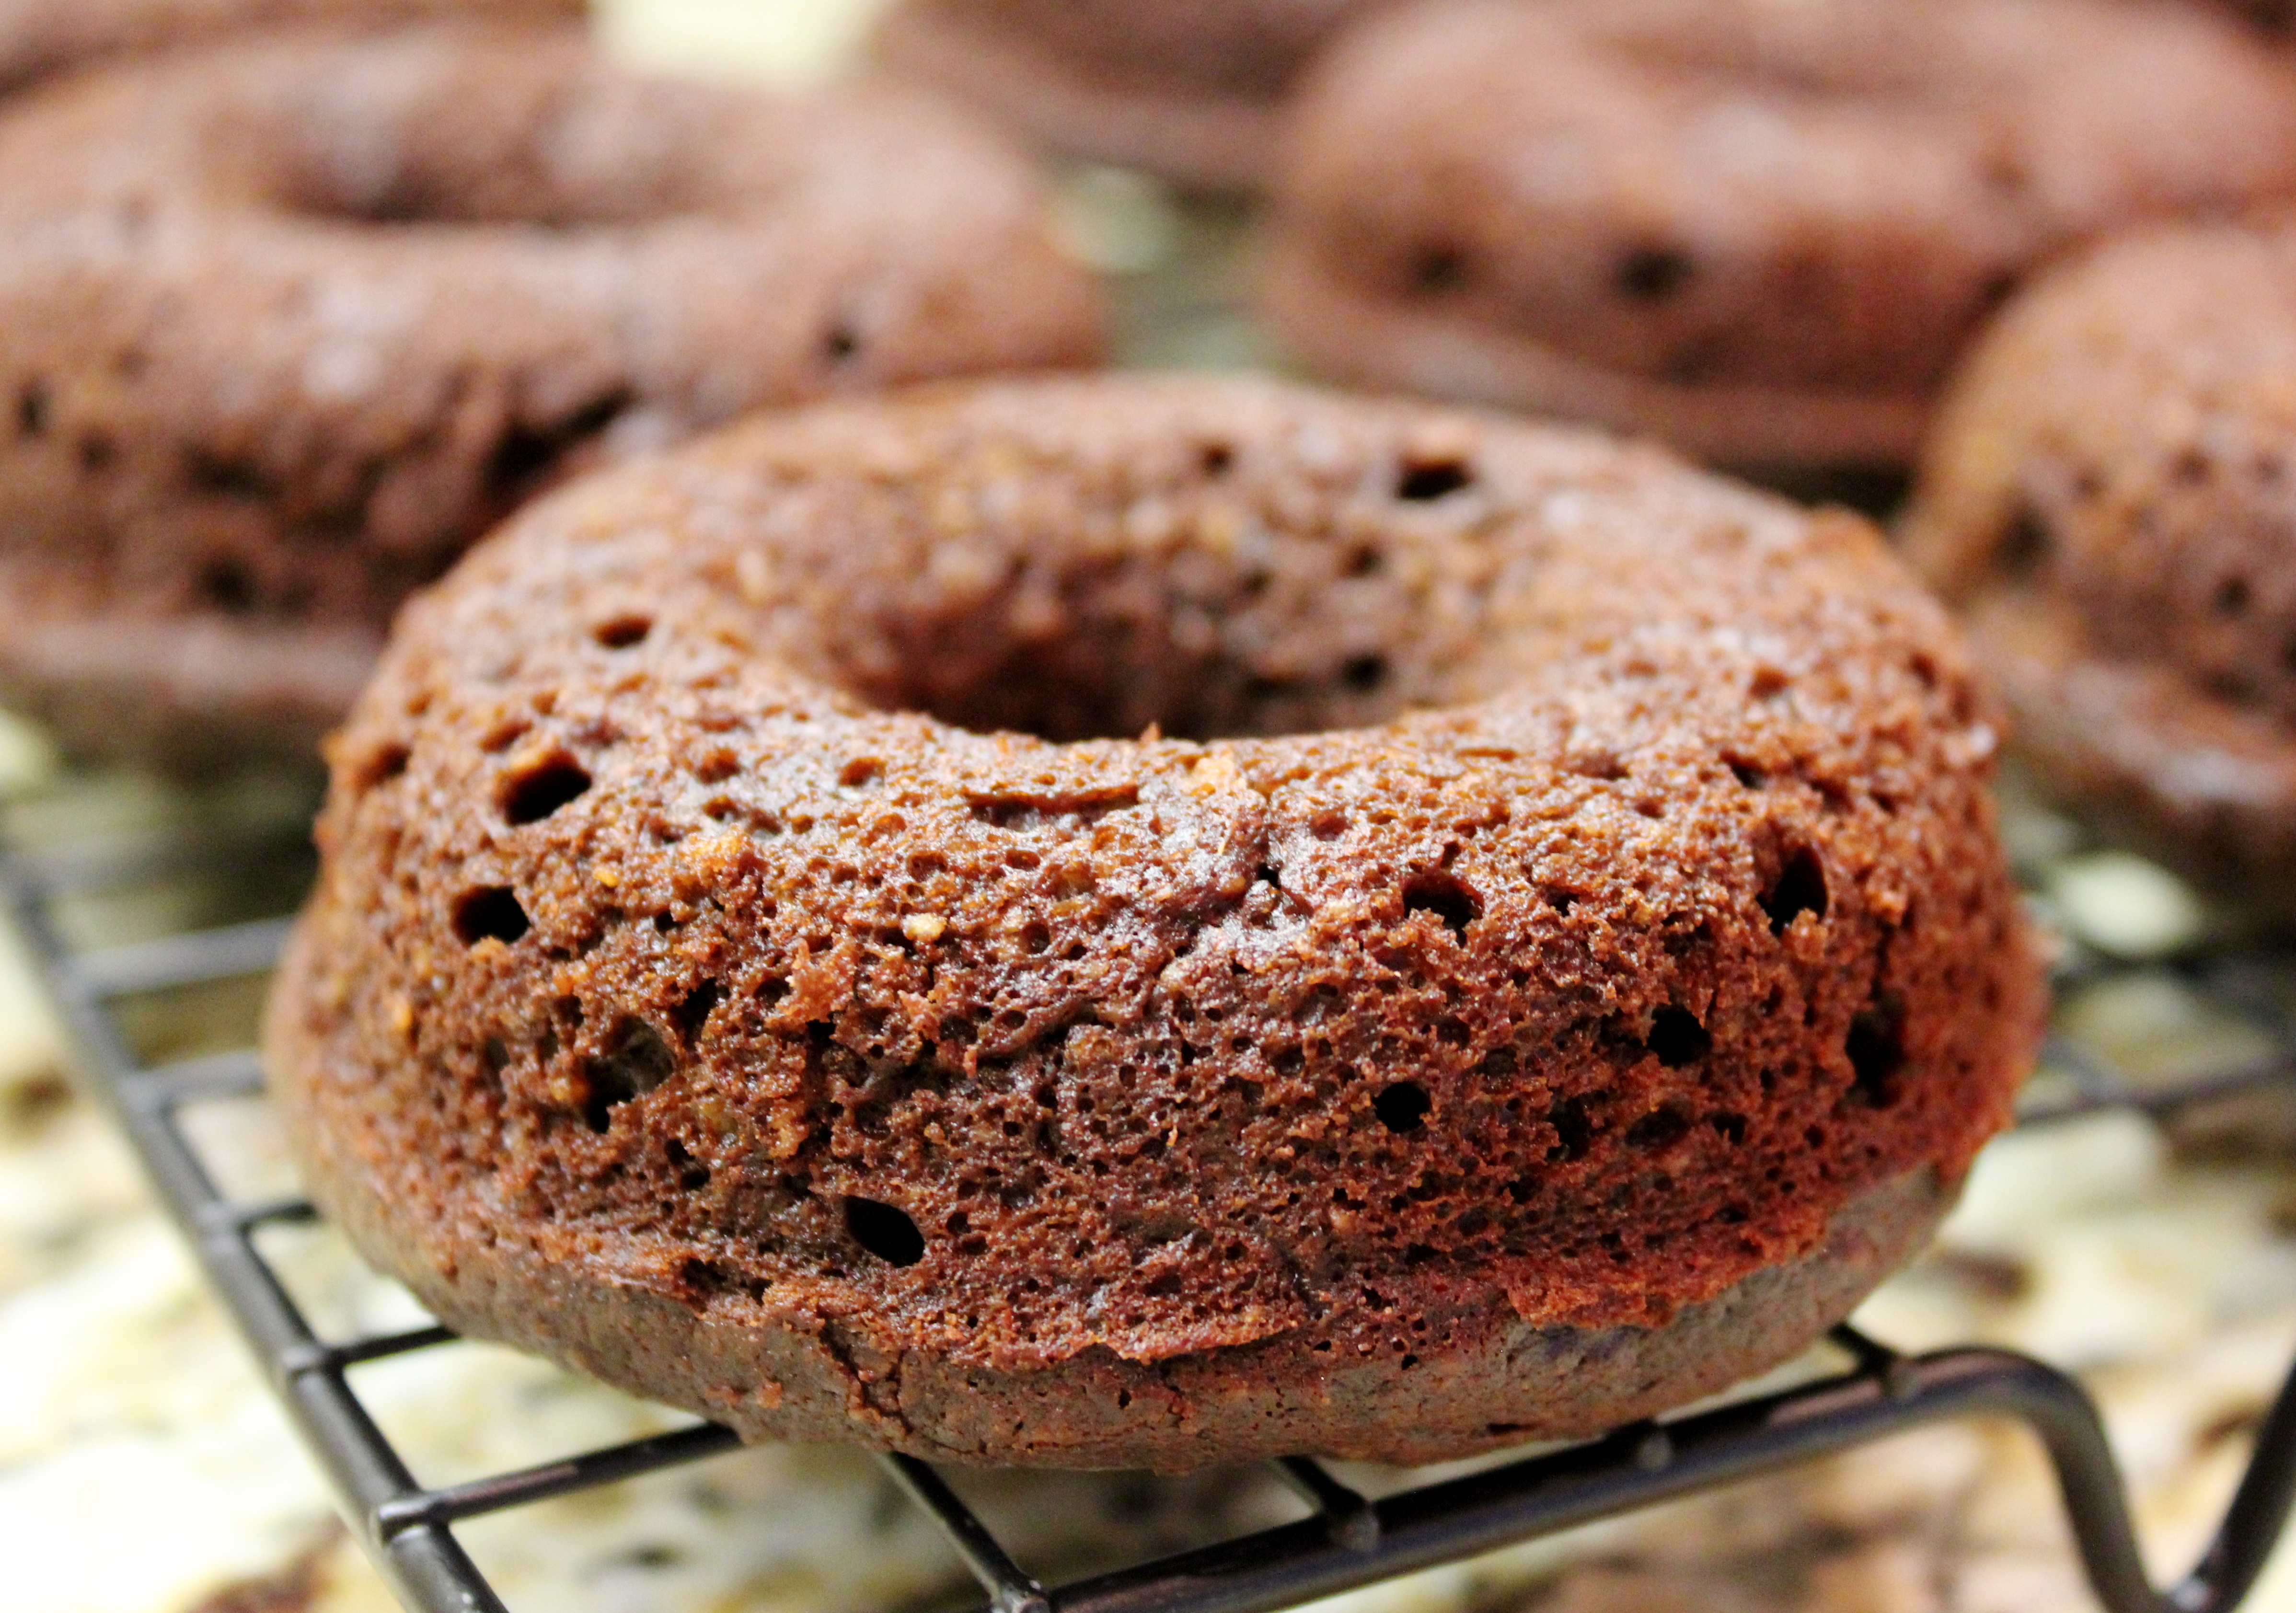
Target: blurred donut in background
(284, 327)
(39, 37)
(1189, 89)
(2111, 498)
(1762, 231)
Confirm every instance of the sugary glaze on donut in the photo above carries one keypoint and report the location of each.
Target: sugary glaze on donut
(2108, 493)
(1759, 231)
(284, 326)
(39, 37)
(1189, 88)
(1163, 890)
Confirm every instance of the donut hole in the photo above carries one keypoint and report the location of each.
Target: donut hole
(1402, 1107)
(491, 912)
(538, 789)
(1125, 655)
(884, 1230)
(530, 457)
(635, 1062)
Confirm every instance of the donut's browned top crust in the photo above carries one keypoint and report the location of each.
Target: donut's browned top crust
(284, 325)
(1788, 204)
(2109, 491)
(42, 36)
(1594, 891)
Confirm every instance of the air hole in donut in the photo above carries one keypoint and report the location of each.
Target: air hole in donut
(694, 1010)
(1876, 1049)
(883, 1231)
(623, 632)
(2232, 597)
(1799, 888)
(840, 344)
(1437, 269)
(1402, 1107)
(1653, 274)
(529, 459)
(2025, 544)
(1659, 1130)
(534, 792)
(1423, 481)
(1676, 1038)
(2189, 468)
(1450, 899)
(1749, 776)
(1574, 1131)
(1994, 290)
(380, 766)
(492, 913)
(1363, 672)
(635, 1062)
(33, 408)
(224, 476)
(1363, 561)
(97, 454)
(228, 586)
(1217, 460)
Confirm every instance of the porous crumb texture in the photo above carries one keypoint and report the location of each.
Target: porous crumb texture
(1139, 920)
(284, 325)
(1189, 88)
(2111, 494)
(1760, 231)
(39, 37)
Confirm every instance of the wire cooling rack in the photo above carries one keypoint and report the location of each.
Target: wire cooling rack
(1347, 1541)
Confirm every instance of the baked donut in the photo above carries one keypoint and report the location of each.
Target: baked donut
(39, 37)
(1189, 89)
(1138, 922)
(1759, 231)
(284, 325)
(2107, 495)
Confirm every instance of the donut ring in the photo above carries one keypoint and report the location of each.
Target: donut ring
(2106, 495)
(1598, 971)
(40, 38)
(284, 326)
(1760, 232)
(1190, 89)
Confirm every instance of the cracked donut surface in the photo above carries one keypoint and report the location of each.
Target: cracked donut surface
(1150, 923)
(1760, 232)
(285, 325)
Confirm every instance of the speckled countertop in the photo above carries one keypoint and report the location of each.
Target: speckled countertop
(144, 1469)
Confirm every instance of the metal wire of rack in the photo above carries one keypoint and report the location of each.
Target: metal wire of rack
(1347, 1541)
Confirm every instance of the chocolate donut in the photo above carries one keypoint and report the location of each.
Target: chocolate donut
(1762, 231)
(1152, 923)
(1190, 89)
(2108, 496)
(39, 37)
(284, 325)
